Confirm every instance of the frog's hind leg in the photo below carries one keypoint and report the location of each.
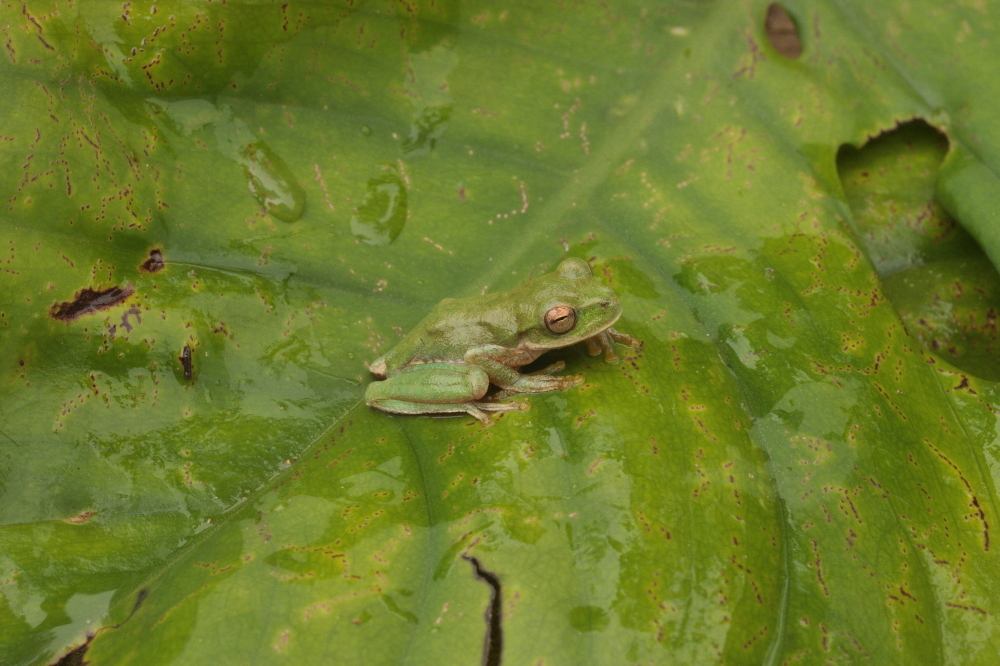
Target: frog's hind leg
(436, 388)
(503, 394)
(476, 409)
(491, 358)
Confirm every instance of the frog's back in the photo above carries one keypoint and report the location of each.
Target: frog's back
(454, 326)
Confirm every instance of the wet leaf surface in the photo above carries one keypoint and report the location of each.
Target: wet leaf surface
(799, 465)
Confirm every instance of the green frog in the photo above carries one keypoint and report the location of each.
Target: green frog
(448, 361)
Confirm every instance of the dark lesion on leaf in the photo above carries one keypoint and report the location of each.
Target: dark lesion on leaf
(186, 363)
(77, 656)
(782, 31)
(139, 598)
(493, 643)
(155, 262)
(87, 301)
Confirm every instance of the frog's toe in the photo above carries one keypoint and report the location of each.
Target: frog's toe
(489, 412)
(500, 406)
(555, 367)
(559, 383)
(481, 416)
(487, 419)
(377, 368)
(593, 346)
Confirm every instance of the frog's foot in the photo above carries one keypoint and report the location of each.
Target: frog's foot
(502, 394)
(479, 409)
(604, 341)
(538, 383)
(624, 338)
(524, 385)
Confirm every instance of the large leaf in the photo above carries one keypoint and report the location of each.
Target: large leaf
(792, 469)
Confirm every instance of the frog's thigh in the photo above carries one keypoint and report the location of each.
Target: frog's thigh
(430, 383)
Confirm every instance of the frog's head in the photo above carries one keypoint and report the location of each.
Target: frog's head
(570, 305)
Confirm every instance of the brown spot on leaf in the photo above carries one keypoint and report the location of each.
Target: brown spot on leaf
(974, 609)
(782, 31)
(80, 518)
(88, 301)
(155, 262)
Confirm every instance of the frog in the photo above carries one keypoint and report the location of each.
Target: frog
(446, 363)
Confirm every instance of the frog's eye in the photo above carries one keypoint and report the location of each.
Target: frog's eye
(560, 319)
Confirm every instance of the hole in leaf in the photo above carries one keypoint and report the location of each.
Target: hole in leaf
(782, 31)
(937, 276)
(186, 363)
(155, 262)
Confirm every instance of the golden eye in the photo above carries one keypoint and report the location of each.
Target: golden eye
(560, 319)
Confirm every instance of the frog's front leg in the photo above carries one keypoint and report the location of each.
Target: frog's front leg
(436, 388)
(604, 341)
(501, 365)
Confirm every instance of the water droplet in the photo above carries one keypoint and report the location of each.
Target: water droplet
(271, 181)
(380, 219)
(350, 354)
(429, 91)
(427, 127)
(367, 131)
(588, 618)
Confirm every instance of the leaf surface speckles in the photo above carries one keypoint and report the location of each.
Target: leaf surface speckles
(216, 213)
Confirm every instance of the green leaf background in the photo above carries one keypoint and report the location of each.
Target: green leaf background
(799, 466)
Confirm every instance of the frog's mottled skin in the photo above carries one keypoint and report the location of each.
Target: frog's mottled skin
(447, 362)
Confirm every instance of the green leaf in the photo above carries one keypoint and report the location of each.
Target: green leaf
(216, 213)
